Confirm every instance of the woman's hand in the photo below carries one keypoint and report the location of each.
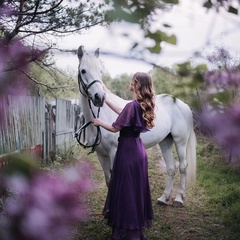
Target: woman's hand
(107, 126)
(97, 122)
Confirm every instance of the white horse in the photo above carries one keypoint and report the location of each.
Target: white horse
(173, 125)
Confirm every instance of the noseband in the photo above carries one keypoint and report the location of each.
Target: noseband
(85, 86)
(79, 132)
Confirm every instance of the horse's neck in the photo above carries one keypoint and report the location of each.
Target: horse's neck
(87, 112)
(117, 100)
(105, 111)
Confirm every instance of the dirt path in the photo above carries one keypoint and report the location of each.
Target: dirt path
(194, 221)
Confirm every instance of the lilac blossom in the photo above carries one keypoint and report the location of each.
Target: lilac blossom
(46, 205)
(221, 53)
(14, 61)
(220, 113)
(5, 10)
(224, 127)
(220, 58)
(222, 80)
(225, 73)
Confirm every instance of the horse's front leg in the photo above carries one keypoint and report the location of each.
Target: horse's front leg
(166, 149)
(105, 162)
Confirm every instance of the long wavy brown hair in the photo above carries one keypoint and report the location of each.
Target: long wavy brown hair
(142, 86)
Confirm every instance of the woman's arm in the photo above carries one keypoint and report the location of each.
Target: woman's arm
(115, 107)
(107, 126)
(113, 101)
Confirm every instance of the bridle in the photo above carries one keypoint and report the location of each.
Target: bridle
(79, 132)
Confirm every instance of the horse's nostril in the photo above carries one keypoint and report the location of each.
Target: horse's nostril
(97, 98)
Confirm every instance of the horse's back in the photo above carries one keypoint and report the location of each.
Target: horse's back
(173, 116)
(175, 109)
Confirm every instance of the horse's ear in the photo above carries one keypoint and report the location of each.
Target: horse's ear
(96, 54)
(80, 52)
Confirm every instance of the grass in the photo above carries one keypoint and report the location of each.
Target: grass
(222, 185)
(211, 209)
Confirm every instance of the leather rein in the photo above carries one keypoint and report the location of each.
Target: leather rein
(79, 132)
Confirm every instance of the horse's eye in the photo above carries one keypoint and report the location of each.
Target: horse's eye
(83, 71)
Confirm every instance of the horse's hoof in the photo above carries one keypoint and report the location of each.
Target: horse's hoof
(159, 202)
(177, 204)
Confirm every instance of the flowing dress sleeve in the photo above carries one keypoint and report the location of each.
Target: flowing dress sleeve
(131, 116)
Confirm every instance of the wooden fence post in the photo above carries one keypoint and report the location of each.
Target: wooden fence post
(34, 126)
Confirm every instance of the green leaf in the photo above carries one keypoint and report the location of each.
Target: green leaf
(171, 1)
(170, 39)
(208, 4)
(183, 69)
(21, 164)
(154, 35)
(201, 68)
(197, 80)
(196, 103)
(224, 96)
(156, 49)
(167, 25)
(159, 36)
(233, 10)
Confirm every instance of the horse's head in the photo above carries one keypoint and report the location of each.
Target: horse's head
(90, 76)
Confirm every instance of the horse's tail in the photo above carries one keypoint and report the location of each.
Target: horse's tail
(191, 159)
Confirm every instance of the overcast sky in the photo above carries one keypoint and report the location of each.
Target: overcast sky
(196, 30)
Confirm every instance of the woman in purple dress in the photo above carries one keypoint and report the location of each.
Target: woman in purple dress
(128, 207)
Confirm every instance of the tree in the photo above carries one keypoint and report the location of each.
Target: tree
(28, 18)
(166, 81)
(36, 22)
(120, 86)
(52, 83)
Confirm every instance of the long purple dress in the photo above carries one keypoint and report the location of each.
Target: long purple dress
(128, 206)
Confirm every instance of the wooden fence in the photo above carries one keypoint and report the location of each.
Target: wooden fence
(31, 124)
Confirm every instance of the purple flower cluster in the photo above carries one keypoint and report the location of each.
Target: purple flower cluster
(223, 80)
(5, 10)
(226, 73)
(224, 127)
(220, 57)
(220, 116)
(15, 57)
(46, 205)
(14, 61)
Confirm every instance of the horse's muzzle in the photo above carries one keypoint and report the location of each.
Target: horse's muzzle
(98, 100)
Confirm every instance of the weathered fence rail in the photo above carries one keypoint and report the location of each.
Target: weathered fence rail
(23, 124)
(31, 124)
(64, 121)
